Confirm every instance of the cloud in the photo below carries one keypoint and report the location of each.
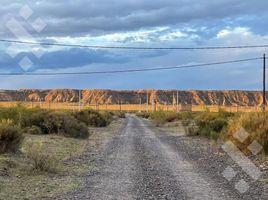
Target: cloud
(80, 17)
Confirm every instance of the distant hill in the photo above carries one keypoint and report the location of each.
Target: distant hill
(230, 97)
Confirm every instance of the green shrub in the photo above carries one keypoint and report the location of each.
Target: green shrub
(108, 116)
(91, 118)
(64, 123)
(37, 118)
(14, 113)
(214, 135)
(55, 122)
(10, 138)
(144, 115)
(186, 115)
(212, 124)
(75, 129)
(119, 114)
(161, 117)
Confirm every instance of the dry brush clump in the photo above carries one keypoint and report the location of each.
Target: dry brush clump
(162, 117)
(40, 159)
(256, 124)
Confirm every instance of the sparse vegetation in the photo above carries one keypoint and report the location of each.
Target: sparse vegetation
(162, 117)
(256, 124)
(208, 124)
(39, 158)
(41, 167)
(38, 136)
(218, 124)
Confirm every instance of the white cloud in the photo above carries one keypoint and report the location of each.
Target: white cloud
(157, 34)
(173, 35)
(237, 31)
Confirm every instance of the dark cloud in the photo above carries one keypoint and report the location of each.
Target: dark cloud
(78, 17)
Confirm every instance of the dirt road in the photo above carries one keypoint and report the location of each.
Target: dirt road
(143, 162)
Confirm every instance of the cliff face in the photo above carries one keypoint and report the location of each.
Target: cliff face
(232, 97)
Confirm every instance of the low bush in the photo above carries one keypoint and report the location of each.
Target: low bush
(10, 138)
(40, 160)
(119, 114)
(55, 122)
(108, 116)
(144, 115)
(35, 117)
(161, 117)
(75, 129)
(63, 123)
(91, 118)
(212, 124)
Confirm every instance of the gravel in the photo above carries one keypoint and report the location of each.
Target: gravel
(140, 161)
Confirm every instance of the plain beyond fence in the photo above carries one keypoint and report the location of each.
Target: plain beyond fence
(132, 107)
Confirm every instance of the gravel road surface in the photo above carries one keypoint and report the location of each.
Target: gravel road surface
(143, 162)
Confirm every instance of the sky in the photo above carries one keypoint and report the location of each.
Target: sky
(138, 23)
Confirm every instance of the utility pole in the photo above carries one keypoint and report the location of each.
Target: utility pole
(177, 102)
(153, 104)
(79, 99)
(173, 99)
(147, 102)
(140, 104)
(166, 105)
(119, 103)
(264, 77)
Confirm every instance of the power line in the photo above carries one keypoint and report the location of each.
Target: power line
(132, 47)
(128, 70)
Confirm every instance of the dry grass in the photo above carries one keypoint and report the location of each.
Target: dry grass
(40, 160)
(18, 180)
(257, 127)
